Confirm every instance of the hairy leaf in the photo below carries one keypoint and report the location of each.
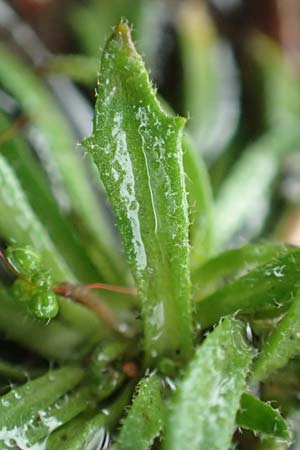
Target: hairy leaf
(137, 149)
(21, 405)
(230, 265)
(282, 345)
(89, 430)
(201, 213)
(58, 414)
(265, 291)
(145, 418)
(261, 417)
(208, 397)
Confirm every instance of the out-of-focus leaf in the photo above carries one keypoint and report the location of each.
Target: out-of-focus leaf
(230, 265)
(282, 345)
(19, 223)
(59, 150)
(80, 68)
(13, 372)
(202, 237)
(261, 417)
(265, 291)
(66, 338)
(280, 80)
(92, 22)
(137, 149)
(145, 418)
(208, 397)
(244, 198)
(33, 182)
(211, 87)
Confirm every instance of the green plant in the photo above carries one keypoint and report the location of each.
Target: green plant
(184, 374)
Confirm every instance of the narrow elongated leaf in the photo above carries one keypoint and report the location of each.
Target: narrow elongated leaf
(210, 81)
(261, 417)
(246, 193)
(80, 68)
(232, 264)
(32, 179)
(145, 418)
(208, 397)
(59, 151)
(137, 149)
(18, 222)
(282, 345)
(13, 372)
(20, 406)
(281, 82)
(68, 337)
(265, 291)
(58, 414)
(202, 236)
(89, 431)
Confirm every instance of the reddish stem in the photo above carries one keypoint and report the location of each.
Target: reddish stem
(112, 288)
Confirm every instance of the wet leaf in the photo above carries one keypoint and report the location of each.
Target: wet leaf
(145, 418)
(22, 404)
(263, 292)
(203, 415)
(282, 345)
(18, 222)
(32, 179)
(261, 417)
(137, 149)
(89, 430)
(62, 162)
(221, 269)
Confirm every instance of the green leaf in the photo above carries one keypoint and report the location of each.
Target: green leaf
(145, 418)
(282, 345)
(265, 291)
(67, 338)
(261, 417)
(15, 372)
(62, 162)
(21, 405)
(230, 265)
(210, 82)
(32, 179)
(18, 222)
(201, 213)
(58, 414)
(203, 415)
(137, 149)
(80, 68)
(246, 192)
(89, 430)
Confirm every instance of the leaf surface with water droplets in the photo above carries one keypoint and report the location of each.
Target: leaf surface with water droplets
(203, 415)
(261, 417)
(137, 149)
